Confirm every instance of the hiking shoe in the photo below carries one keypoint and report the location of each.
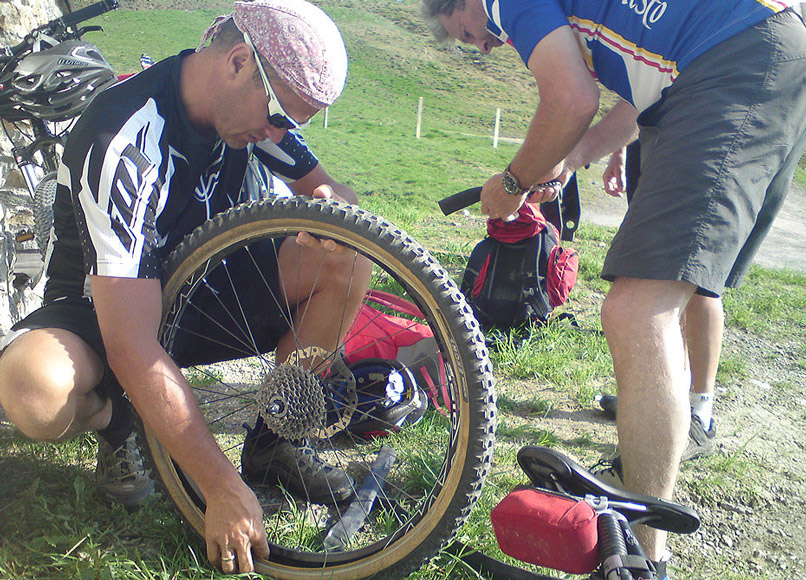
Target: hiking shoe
(298, 468)
(121, 473)
(700, 441)
(609, 471)
(700, 444)
(608, 404)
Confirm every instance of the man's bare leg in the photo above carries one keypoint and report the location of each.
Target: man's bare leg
(705, 320)
(641, 320)
(327, 287)
(47, 377)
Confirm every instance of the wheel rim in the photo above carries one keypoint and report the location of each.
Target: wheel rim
(427, 482)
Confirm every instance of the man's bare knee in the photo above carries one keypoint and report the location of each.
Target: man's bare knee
(615, 314)
(46, 383)
(644, 305)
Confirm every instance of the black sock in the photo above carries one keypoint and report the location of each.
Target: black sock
(660, 569)
(120, 425)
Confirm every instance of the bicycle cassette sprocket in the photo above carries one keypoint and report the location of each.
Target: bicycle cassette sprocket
(292, 401)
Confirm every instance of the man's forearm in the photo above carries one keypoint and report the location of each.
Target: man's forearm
(165, 402)
(129, 317)
(569, 99)
(552, 135)
(617, 129)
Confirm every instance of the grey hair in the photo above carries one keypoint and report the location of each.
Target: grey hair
(225, 35)
(430, 10)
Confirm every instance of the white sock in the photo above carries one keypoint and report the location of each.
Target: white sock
(702, 405)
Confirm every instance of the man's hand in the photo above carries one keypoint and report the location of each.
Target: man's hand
(614, 177)
(545, 193)
(568, 170)
(305, 239)
(317, 183)
(234, 531)
(497, 203)
(312, 242)
(326, 191)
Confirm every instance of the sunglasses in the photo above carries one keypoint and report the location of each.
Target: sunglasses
(276, 116)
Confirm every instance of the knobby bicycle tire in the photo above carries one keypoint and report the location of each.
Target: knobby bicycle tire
(44, 196)
(442, 460)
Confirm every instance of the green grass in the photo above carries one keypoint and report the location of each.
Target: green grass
(52, 522)
(800, 173)
(558, 355)
(772, 304)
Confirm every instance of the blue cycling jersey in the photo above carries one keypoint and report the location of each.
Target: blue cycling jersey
(635, 48)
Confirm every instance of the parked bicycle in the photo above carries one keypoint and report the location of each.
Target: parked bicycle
(46, 81)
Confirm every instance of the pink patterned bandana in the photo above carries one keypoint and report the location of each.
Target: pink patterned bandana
(300, 42)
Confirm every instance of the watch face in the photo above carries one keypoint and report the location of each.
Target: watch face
(511, 185)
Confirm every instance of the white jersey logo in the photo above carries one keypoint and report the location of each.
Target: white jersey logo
(650, 11)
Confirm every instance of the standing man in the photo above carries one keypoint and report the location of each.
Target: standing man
(150, 160)
(717, 89)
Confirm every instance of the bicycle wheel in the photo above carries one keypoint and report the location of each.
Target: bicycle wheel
(441, 460)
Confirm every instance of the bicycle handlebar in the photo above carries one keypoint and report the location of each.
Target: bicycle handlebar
(460, 200)
(59, 24)
(88, 12)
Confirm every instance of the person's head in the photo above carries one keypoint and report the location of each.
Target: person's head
(462, 20)
(298, 54)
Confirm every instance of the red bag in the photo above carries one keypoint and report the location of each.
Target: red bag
(547, 529)
(377, 335)
(519, 273)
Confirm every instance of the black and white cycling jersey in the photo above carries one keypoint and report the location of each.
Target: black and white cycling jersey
(136, 178)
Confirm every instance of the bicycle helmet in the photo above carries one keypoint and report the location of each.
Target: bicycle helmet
(58, 83)
(388, 398)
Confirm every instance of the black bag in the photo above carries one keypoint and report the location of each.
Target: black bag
(519, 273)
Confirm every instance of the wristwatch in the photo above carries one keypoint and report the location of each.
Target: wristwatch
(511, 183)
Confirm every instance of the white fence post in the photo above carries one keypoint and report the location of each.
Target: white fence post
(419, 116)
(324, 118)
(497, 127)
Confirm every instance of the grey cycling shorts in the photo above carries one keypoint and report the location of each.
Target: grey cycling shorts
(718, 153)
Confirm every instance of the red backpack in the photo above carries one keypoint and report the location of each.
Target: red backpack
(377, 335)
(519, 273)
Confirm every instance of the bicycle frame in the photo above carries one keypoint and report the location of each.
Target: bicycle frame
(45, 143)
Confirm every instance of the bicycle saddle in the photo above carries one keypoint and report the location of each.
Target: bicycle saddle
(554, 471)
